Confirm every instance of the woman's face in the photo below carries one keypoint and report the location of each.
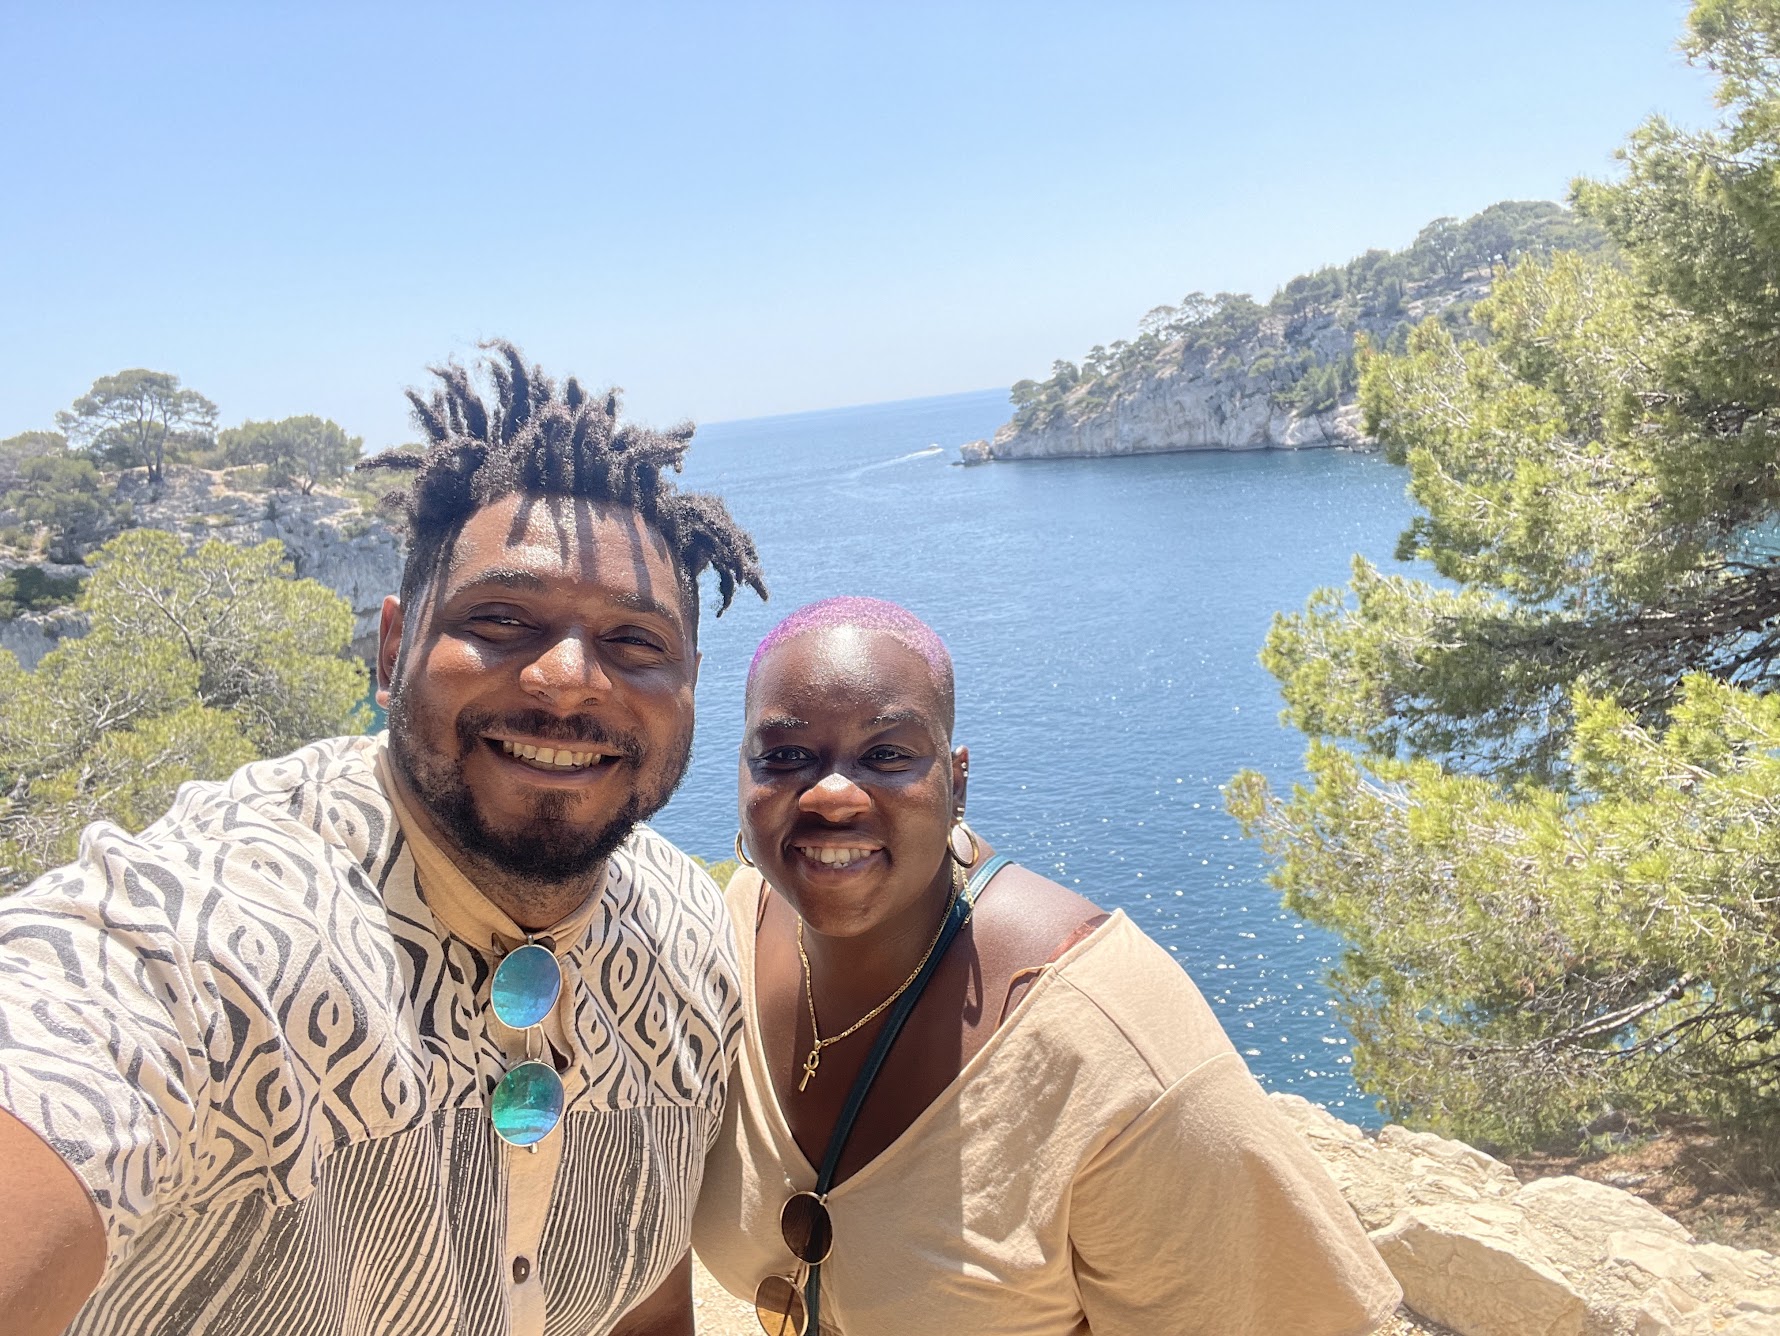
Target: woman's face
(847, 788)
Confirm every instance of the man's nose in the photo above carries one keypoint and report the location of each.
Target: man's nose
(567, 673)
(835, 798)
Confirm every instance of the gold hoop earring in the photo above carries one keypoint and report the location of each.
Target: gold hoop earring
(975, 849)
(741, 854)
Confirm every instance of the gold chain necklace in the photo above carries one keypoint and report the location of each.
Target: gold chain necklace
(809, 987)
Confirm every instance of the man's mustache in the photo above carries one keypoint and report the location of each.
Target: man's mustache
(471, 728)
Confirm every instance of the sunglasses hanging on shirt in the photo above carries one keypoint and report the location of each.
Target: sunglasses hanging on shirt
(527, 1104)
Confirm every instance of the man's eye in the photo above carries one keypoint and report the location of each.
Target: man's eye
(886, 756)
(497, 623)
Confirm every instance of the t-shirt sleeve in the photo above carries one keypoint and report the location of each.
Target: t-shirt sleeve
(1209, 1215)
(103, 1033)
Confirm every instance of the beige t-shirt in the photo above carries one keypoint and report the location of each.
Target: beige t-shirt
(1105, 1163)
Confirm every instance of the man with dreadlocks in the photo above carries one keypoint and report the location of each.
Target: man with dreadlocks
(418, 1033)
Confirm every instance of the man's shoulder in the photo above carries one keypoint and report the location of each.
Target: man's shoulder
(667, 893)
(324, 795)
(649, 857)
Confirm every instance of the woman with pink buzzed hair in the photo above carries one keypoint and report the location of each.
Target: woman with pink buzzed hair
(967, 1100)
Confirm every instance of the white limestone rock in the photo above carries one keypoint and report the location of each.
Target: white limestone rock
(1382, 1175)
(327, 538)
(31, 635)
(1479, 1252)
(1224, 398)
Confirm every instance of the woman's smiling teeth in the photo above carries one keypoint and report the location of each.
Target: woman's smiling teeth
(559, 758)
(833, 857)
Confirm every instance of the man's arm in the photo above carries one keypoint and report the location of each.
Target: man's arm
(52, 1244)
(667, 1312)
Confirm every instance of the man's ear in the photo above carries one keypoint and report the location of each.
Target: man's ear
(960, 777)
(698, 657)
(389, 647)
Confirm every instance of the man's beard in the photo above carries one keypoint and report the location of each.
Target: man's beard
(548, 849)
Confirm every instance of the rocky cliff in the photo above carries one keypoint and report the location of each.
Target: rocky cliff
(1484, 1254)
(1228, 373)
(331, 539)
(328, 538)
(1237, 396)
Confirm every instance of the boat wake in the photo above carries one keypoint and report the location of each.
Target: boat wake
(927, 452)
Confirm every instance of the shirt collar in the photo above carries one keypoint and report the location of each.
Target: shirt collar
(464, 911)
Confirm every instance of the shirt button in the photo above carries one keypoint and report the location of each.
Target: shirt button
(522, 1270)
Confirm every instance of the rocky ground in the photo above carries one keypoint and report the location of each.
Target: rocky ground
(1721, 1192)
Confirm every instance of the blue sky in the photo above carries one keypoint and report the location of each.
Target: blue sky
(740, 209)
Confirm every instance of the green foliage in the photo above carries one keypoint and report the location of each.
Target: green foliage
(27, 445)
(1519, 962)
(32, 589)
(66, 496)
(139, 418)
(1366, 290)
(1542, 783)
(194, 663)
(1317, 385)
(298, 451)
(721, 871)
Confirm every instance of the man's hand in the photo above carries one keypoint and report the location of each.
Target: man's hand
(667, 1312)
(52, 1244)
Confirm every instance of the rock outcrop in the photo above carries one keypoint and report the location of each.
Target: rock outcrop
(1229, 373)
(1226, 398)
(329, 539)
(31, 635)
(1479, 1252)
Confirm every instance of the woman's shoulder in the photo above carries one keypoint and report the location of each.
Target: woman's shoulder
(1029, 919)
(1140, 991)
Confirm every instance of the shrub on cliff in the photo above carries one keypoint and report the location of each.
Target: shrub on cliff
(69, 502)
(1544, 791)
(194, 664)
(295, 452)
(1370, 288)
(32, 589)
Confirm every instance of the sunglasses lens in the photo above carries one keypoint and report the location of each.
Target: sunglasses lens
(525, 986)
(778, 1303)
(809, 1233)
(527, 1104)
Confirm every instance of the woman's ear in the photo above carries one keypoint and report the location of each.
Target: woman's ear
(960, 779)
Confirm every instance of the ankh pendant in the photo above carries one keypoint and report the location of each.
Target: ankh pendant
(809, 1067)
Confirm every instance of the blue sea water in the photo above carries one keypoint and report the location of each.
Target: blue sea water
(1104, 617)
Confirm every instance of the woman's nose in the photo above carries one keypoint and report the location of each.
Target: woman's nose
(835, 798)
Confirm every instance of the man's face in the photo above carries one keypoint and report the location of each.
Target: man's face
(541, 702)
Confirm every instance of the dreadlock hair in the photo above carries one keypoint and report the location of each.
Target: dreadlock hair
(537, 441)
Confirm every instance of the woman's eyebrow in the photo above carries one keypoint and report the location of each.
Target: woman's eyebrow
(784, 722)
(890, 717)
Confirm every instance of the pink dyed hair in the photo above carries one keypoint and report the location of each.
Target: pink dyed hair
(868, 614)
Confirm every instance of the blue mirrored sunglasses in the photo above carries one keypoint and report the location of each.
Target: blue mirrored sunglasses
(527, 1104)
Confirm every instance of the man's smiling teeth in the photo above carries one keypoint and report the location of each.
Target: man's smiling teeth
(562, 757)
(832, 857)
